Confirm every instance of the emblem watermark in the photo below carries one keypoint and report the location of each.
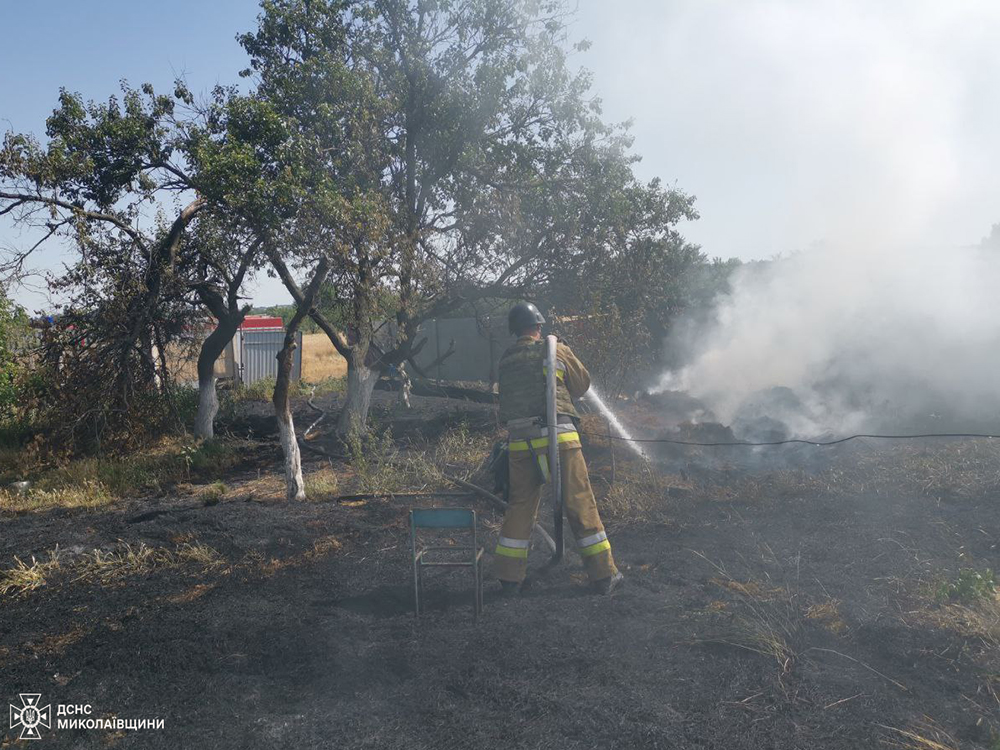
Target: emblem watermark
(31, 717)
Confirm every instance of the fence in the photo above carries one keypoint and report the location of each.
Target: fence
(249, 357)
(258, 348)
(476, 345)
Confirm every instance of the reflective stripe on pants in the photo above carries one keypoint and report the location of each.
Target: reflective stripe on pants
(593, 544)
(517, 548)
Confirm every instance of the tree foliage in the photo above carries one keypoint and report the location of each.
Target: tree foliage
(13, 341)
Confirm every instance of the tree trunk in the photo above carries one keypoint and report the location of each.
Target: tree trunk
(208, 407)
(286, 428)
(211, 349)
(361, 381)
(294, 483)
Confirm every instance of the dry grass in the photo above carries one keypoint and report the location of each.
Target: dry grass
(195, 592)
(325, 545)
(23, 578)
(129, 560)
(979, 620)
(926, 736)
(322, 484)
(125, 561)
(87, 494)
(638, 494)
(828, 615)
(55, 645)
(267, 487)
(767, 619)
(196, 553)
(956, 470)
(320, 359)
(94, 482)
(322, 547)
(107, 566)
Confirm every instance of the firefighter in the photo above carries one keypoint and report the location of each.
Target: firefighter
(521, 376)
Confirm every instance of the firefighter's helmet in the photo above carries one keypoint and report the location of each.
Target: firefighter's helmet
(522, 316)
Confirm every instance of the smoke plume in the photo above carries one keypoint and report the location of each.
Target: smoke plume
(864, 338)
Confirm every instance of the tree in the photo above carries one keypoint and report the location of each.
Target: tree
(105, 166)
(626, 273)
(222, 255)
(13, 322)
(296, 174)
(448, 113)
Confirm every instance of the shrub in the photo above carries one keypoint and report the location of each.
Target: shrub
(970, 586)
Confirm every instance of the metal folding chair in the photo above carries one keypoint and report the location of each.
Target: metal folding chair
(445, 518)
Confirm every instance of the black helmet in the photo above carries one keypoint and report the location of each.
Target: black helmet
(523, 315)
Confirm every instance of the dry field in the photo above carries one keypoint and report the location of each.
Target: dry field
(320, 360)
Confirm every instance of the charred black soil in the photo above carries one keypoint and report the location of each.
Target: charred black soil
(753, 617)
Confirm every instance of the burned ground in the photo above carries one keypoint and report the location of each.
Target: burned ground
(769, 609)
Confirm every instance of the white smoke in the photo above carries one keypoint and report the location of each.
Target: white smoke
(873, 125)
(863, 336)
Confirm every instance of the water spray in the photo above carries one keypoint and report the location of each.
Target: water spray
(594, 397)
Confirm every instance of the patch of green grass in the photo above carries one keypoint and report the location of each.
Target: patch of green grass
(970, 586)
(323, 387)
(261, 390)
(211, 457)
(461, 447)
(118, 476)
(376, 463)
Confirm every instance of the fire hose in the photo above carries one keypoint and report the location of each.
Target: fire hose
(552, 419)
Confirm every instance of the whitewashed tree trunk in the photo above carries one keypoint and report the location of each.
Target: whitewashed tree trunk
(211, 349)
(295, 487)
(361, 382)
(208, 407)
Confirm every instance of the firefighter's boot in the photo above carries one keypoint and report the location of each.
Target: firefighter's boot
(607, 585)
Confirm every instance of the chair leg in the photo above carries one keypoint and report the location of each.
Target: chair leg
(416, 589)
(477, 572)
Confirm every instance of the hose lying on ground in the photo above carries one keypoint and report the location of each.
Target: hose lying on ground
(499, 504)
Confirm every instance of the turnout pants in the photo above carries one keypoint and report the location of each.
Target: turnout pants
(511, 561)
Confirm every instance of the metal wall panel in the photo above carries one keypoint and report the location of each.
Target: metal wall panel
(259, 352)
(478, 345)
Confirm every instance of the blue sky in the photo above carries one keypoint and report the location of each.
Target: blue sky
(851, 121)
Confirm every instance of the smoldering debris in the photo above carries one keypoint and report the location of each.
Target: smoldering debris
(845, 339)
(693, 439)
